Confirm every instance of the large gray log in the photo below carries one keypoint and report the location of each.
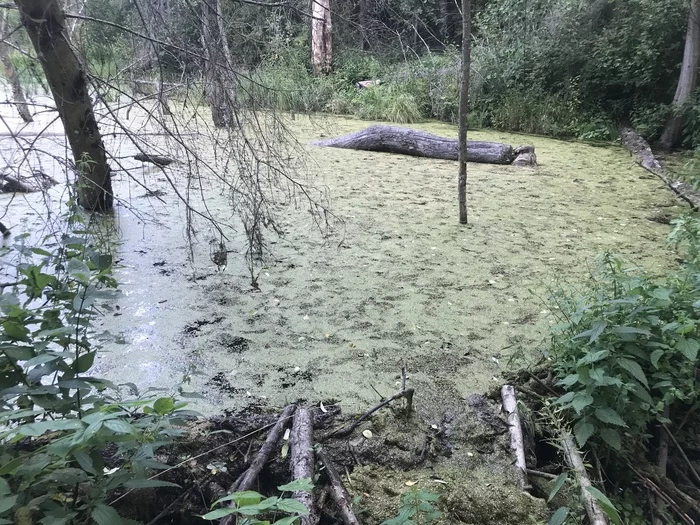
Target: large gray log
(406, 141)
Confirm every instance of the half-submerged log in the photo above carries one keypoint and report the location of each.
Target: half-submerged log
(641, 151)
(158, 160)
(406, 141)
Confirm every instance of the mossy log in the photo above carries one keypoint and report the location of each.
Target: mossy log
(406, 141)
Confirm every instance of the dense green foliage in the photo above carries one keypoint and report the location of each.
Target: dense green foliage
(68, 440)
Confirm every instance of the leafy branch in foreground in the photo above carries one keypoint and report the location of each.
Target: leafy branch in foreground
(65, 443)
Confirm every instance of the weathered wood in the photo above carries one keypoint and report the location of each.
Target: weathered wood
(302, 461)
(9, 184)
(340, 496)
(575, 461)
(641, 151)
(406, 141)
(245, 482)
(154, 159)
(517, 443)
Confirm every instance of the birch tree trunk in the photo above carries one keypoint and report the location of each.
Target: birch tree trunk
(321, 37)
(217, 91)
(463, 110)
(687, 82)
(11, 73)
(46, 25)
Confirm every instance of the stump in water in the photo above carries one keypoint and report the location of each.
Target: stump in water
(406, 141)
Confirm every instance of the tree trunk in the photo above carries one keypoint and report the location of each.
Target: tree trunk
(687, 82)
(364, 25)
(45, 23)
(407, 141)
(463, 111)
(217, 90)
(11, 74)
(321, 37)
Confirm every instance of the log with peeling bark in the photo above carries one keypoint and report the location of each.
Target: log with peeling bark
(245, 482)
(338, 493)
(158, 160)
(302, 461)
(406, 141)
(517, 443)
(641, 151)
(573, 458)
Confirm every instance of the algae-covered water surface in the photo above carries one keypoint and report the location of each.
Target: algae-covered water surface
(397, 281)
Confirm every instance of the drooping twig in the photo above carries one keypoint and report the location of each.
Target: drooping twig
(245, 482)
(517, 443)
(302, 460)
(158, 160)
(573, 458)
(340, 496)
(345, 431)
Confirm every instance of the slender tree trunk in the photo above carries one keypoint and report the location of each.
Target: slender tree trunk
(687, 81)
(217, 90)
(11, 74)
(46, 25)
(364, 23)
(463, 110)
(321, 37)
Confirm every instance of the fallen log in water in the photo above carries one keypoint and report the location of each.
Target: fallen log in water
(158, 160)
(640, 150)
(406, 141)
(302, 460)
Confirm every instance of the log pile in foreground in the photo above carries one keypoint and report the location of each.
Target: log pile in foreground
(406, 141)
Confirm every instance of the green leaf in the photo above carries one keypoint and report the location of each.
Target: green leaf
(596, 330)
(291, 520)
(655, 356)
(164, 406)
(633, 368)
(566, 398)
(583, 431)
(688, 347)
(297, 485)
(558, 484)
(11, 466)
(42, 427)
(7, 502)
(569, 380)
(105, 515)
(85, 461)
(78, 270)
(15, 330)
(605, 504)
(661, 293)
(581, 400)
(292, 506)
(611, 437)
(148, 483)
(559, 516)
(218, 514)
(84, 362)
(610, 416)
(242, 499)
(119, 426)
(630, 330)
(4, 487)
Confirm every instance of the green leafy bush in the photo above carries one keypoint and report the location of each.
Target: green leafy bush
(627, 347)
(65, 443)
(417, 508)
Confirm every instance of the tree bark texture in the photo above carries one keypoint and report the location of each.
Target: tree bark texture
(217, 90)
(575, 461)
(45, 23)
(11, 74)
(517, 442)
(687, 82)
(321, 37)
(464, 111)
(406, 141)
(302, 460)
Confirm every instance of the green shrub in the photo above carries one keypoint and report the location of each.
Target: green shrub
(627, 347)
(58, 421)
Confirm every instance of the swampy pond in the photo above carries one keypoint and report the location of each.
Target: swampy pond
(395, 281)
